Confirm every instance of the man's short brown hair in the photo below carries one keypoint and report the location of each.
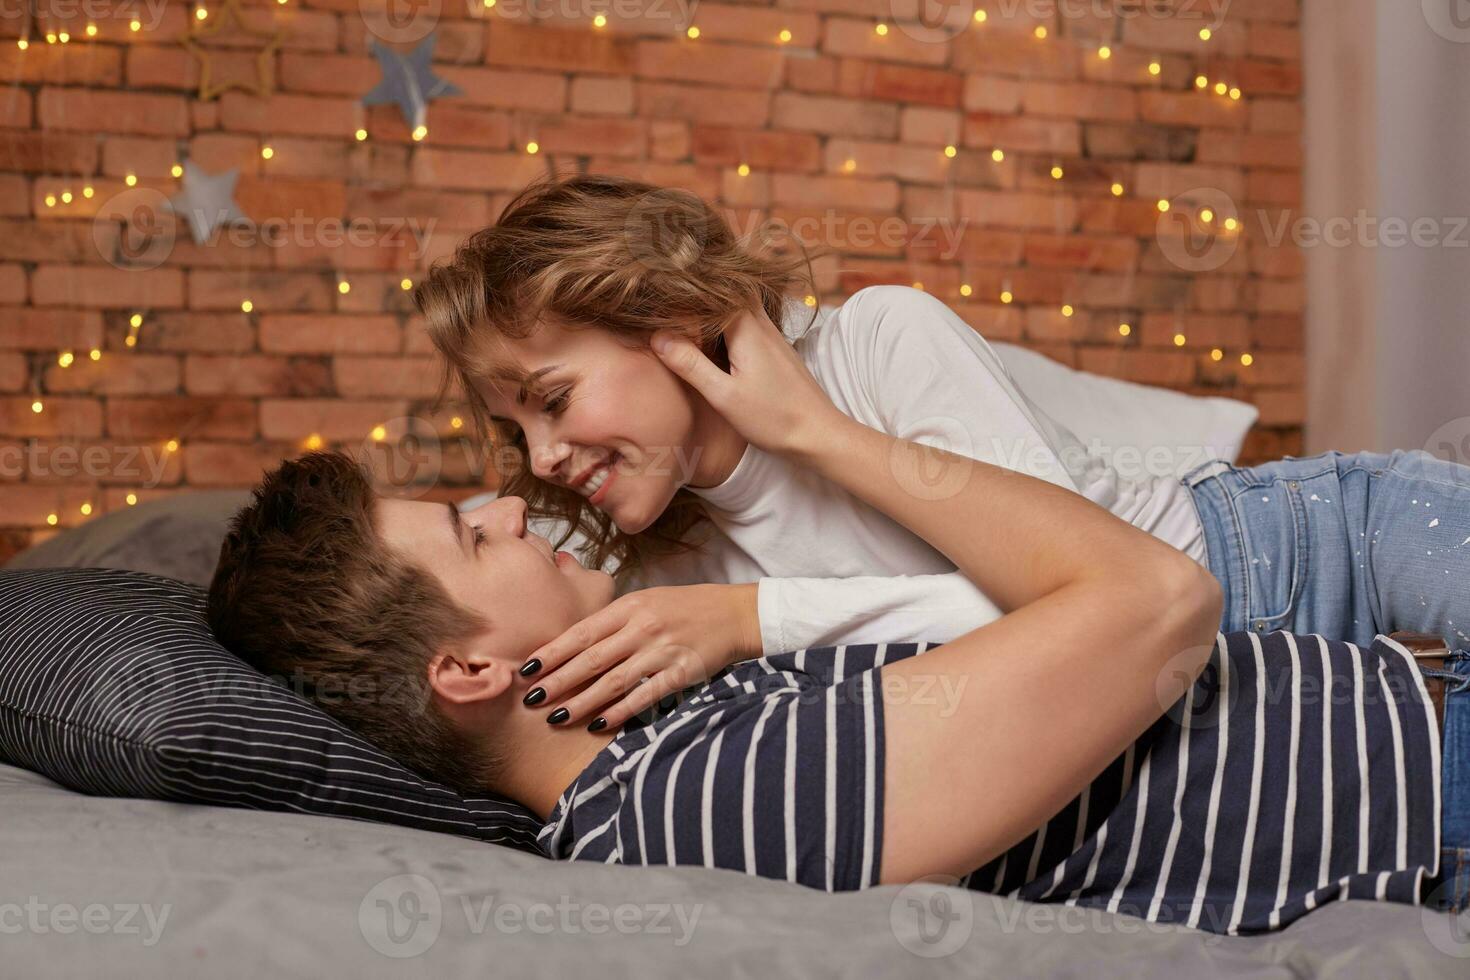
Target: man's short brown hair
(306, 590)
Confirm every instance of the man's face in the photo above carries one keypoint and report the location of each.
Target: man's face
(488, 562)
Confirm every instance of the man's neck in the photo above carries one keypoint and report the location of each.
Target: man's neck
(542, 760)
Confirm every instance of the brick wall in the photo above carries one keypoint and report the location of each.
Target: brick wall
(860, 130)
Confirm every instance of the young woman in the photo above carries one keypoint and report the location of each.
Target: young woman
(724, 552)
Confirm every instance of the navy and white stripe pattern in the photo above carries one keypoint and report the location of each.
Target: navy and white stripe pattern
(112, 684)
(1295, 771)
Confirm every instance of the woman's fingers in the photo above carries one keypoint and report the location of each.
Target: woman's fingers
(615, 683)
(688, 362)
(594, 661)
(639, 699)
(576, 638)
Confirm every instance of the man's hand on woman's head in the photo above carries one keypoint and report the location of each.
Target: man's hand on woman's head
(674, 636)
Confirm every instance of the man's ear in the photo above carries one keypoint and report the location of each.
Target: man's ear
(461, 679)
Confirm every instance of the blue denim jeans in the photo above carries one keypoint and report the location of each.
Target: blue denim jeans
(1451, 890)
(1350, 545)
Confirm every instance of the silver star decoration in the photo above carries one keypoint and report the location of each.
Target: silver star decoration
(207, 200)
(409, 81)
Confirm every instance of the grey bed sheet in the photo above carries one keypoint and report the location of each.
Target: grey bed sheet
(180, 890)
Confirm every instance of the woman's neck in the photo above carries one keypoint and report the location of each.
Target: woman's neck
(716, 447)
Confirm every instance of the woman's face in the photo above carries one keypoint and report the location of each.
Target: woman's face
(600, 417)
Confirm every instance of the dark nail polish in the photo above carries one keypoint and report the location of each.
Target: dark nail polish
(598, 724)
(530, 666)
(536, 696)
(558, 716)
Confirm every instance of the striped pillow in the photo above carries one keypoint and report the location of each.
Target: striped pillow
(112, 684)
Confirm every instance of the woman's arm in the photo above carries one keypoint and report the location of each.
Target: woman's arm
(1110, 625)
(908, 365)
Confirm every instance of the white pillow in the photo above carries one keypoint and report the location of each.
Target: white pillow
(1181, 431)
(1121, 415)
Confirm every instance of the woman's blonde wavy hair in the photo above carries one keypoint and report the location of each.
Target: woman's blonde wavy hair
(608, 253)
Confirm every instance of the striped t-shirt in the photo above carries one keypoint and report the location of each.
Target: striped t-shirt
(1295, 771)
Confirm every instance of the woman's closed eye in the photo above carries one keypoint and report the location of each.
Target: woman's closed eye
(555, 403)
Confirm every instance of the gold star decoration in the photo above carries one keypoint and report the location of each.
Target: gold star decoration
(229, 10)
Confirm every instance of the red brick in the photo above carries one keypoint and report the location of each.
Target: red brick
(36, 152)
(850, 37)
(474, 170)
(226, 464)
(24, 328)
(256, 374)
(98, 110)
(898, 83)
(850, 192)
(602, 94)
(559, 49)
(267, 291)
(742, 65)
(1112, 254)
(762, 149)
(399, 377)
(738, 107)
(59, 416)
(1024, 134)
(180, 418)
(587, 134)
(1145, 367)
(1069, 100)
(115, 374)
(834, 117)
(332, 419)
(101, 286)
(60, 64)
(316, 333)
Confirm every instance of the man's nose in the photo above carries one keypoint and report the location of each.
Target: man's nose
(505, 512)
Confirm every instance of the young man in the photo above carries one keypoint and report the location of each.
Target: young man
(828, 768)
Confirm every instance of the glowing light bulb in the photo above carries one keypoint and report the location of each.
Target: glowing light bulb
(743, 170)
(132, 499)
(1217, 354)
(1154, 68)
(379, 433)
(951, 150)
(1040, 32)
(86, 508)
(1006, 296)
(172, 445)
(246, 306)
(1231, 224)
(1235, 94)
(1163, 205)
(177, 170)
(1057, 173)
(693, 32)
(533, 147)
(965, 289)
(1207, 216)
(344, 287)
(407, 284)
(361, 135)
(1221, 88)
(1247, 360)
(419, 132)
(998, 155)
(65, 358)
(95, 354)
(1205, 33)
(37, 407)
(313, 441)
(1068, 310)
(981, 16)
(52, 519)
(881, 30)
(1104, 52)
(1118, 190)
(599, 21)
(1179, 340)
(849, 165)
(135, 321)
(1201, 82)
(456, 423)
(809, 300)
(784, 37)
(1125, 328)
(131, 180)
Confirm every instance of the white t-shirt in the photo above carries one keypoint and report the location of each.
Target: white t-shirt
(833, 570)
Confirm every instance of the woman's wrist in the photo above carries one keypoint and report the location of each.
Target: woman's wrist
(745, 621)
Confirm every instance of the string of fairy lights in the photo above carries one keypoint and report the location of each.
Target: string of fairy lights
(784, 37)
